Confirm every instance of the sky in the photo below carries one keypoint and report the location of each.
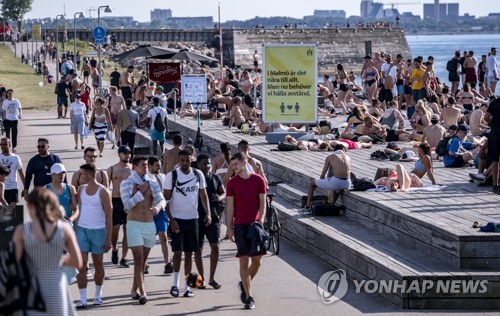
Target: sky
(236, 9)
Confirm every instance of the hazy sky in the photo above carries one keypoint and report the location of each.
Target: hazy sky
(237, 9)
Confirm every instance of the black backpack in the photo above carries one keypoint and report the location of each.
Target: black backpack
(362, 184)
(159, 124)
(451, 66)
(174, 180)
(442, 147)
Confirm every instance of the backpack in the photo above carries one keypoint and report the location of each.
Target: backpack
(287, 147)
(174, 180)
(159, 124)
(362, 184)
(442, 147)
(325, 209)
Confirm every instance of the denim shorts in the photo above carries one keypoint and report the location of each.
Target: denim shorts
(91, 240)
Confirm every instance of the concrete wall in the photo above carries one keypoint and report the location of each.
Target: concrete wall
(345, 46)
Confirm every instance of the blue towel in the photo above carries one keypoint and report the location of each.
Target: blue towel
(491, 227)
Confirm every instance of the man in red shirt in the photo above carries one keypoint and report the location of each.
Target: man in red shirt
(245, 204)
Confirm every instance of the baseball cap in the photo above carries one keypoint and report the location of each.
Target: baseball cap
(57, 168)
(408, 154)
(131, 67)
(367, 57)
(159, 88)
(124, 149)
(463, 128)
(435, 117)
(78, 96)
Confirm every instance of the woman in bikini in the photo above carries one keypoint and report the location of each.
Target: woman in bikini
(420, 120)
(467, 98)
(343, 79)
(354, 124)
(221, 162)
(370, 77)
(376, 110)
(100, 123)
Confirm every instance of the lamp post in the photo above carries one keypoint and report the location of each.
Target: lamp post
(80, 16)
(57, 47)
(107, 9)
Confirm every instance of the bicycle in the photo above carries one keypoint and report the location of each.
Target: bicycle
(272, 224)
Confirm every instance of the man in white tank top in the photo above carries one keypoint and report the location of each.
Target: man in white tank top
(93, 231)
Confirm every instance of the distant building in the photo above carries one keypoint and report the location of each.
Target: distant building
(160, 15)
(375, 10)
(441, 11)
(195, 22)
(122, 19)
(336, 14)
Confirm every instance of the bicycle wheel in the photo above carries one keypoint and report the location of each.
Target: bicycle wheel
(276, 229)
(269, 228)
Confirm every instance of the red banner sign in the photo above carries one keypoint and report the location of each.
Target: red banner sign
(165, 72)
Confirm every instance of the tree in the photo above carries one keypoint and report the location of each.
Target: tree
(16, 9)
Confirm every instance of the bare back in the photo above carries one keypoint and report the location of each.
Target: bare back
(433, 134)
(170, 159)
(340, 164)
(117, 174)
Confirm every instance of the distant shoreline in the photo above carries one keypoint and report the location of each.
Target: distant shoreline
(450, 33)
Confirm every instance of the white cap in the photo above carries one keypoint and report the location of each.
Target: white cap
(57, 168)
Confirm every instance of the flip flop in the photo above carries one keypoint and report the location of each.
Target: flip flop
(81, 305)
(216, 285)
(143, 300)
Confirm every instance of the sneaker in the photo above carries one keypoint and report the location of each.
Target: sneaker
(146, 269)
(114, 256)
(174, 291)
(89, 273)
(169, 268)
(188, 294)
(243, 296)
(477, 176)
(496, 189)
(124, 263)
(250, 303)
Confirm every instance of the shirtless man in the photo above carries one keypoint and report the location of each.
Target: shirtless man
(127, 84)
(90, 155)
(451, 115)
(254, 165)
(246, 82)
(378, 61)
(433, 133)
(76, 84)
(476, 121)
(86, 71)
(340, 165)
(370, 127)
(171, 156)
(143, 199)
(116, 103)
(117, 174)
(327, 83)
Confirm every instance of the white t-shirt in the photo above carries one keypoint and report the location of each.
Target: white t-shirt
(11, 107)
(163, 99)
(13, 163)
(184, 200)
(153, 112)
(78, 108)
(491, 65)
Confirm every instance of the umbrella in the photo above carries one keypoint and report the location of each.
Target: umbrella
(147, 52)
(187, 55)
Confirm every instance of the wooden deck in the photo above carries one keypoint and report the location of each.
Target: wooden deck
(383, 236)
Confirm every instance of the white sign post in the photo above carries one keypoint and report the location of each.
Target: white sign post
(194, 89)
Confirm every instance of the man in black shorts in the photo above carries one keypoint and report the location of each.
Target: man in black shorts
(492, 116)
(216, 194)
(183, 187)
(245, 204)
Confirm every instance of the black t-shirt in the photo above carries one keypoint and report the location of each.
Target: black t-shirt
(454, 65)
(211, 180)
(480, 67)
(494, 110)
(61, 89)
(115, 78)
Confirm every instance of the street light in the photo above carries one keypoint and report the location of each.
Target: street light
(107, 9)
(57, 47)
(80, 16)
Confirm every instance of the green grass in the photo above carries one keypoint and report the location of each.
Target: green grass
(22, 79)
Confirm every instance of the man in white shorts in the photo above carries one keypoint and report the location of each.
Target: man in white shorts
(492, 70)
(142, 199)
(340, 165)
